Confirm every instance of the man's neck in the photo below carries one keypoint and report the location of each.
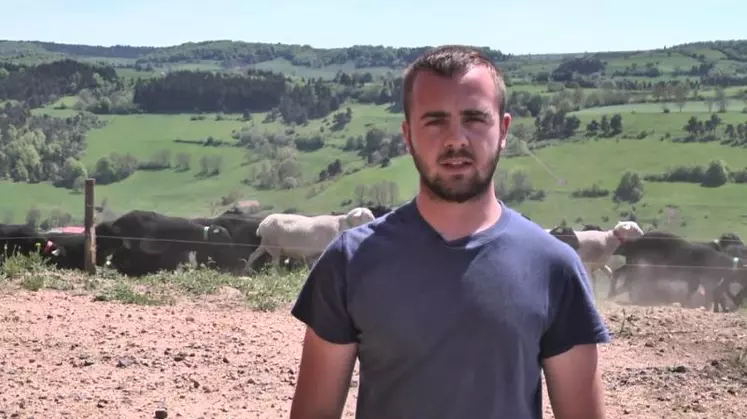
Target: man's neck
(454, 221)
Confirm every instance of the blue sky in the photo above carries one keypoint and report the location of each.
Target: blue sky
(533, 26)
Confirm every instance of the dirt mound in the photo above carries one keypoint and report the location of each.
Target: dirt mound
(63, 355)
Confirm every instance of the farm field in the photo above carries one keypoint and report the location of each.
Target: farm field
(125, 348)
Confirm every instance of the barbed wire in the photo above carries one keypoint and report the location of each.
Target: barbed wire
(317, 249)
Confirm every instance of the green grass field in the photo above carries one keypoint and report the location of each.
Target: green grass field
(558, 169)
(691, 107)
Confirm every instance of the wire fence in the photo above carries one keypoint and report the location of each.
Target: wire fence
(201, 244)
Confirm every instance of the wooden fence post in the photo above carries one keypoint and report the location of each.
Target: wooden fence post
(90, 229)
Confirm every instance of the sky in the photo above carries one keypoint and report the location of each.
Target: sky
(517, 27)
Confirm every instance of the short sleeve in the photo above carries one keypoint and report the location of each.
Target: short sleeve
(574, 317)
(322, 303)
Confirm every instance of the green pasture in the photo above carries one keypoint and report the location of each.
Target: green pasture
(561, 169)
(187, 193)
(666, 61)
(656, 110)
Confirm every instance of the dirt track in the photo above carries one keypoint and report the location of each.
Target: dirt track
(66, 356)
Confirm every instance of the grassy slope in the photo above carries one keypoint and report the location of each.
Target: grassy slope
(702, 213)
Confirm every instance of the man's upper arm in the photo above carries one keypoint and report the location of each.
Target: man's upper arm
(574, 383)
(330, 348)
(569, 346)
(322, 302)
(573, 316)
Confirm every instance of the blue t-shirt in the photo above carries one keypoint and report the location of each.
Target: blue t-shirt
(450, 329)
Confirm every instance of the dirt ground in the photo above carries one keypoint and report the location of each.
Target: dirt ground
(63, 355)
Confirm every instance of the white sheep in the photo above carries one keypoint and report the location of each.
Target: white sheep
(302, 237)
(596, 247)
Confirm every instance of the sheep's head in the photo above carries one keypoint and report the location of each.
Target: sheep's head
(627, 230)
(358, 216)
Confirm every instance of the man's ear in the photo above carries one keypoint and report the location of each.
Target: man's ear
(406, 135)
(505, 125)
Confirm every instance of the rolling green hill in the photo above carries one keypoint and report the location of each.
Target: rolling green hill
(666, 101)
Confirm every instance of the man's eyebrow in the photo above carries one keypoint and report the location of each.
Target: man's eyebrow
(476, 112)
(434, 115)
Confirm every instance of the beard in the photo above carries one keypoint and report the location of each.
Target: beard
(458, 188)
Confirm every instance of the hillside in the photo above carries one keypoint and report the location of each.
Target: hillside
(192, 128)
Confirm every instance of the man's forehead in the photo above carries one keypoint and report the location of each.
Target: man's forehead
(471, 73)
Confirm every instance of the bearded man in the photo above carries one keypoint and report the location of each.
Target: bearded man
(453, 303)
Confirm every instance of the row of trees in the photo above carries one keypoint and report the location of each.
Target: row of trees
(716, 173)
(706, 130)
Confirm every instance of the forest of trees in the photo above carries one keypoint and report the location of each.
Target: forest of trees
(43, 148)
(38, 85)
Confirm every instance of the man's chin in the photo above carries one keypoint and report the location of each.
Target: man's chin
(457, 195)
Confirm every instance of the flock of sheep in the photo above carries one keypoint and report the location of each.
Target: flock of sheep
(142, 242)
(718, 266)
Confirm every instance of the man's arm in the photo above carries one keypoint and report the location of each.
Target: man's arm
(574, 383)
(323, 378)
(330, 345)
(569, 346)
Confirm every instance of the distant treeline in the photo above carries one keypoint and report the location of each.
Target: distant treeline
(232, 53)
(584, 72)
(37, 84)
(255, 91)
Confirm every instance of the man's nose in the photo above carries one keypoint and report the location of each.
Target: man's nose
(457, 136)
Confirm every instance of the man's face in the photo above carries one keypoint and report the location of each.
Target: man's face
(455, 133)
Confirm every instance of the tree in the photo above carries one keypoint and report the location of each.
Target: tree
(721, 100)
(592, 128)
(630, 188)
(605, 125)
(616, 124)
(680, 95)
(717, 174)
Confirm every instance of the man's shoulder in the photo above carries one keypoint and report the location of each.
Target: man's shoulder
(531, 237)
(394, 222)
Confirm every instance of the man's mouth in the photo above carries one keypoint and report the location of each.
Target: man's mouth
(456, 163)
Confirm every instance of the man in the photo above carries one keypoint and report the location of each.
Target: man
(453, 303)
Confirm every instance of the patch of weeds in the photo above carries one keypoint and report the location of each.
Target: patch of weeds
(265, 291)
(17, 265)
(32, 282)
(272, 289)
(125, 293)
(103, 276)
(192, 280)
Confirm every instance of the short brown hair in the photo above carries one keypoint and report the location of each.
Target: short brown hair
(447, 61)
